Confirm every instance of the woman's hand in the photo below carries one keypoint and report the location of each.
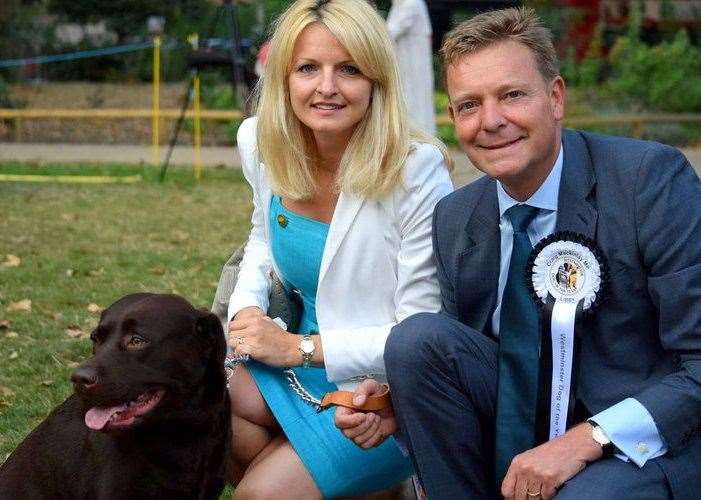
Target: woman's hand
(262, 339)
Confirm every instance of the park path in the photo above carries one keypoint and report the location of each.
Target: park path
(183, 155)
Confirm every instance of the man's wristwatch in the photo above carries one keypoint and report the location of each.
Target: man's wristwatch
(598, 435)
(306, 347)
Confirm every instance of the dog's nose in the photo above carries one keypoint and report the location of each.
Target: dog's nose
(84, 377)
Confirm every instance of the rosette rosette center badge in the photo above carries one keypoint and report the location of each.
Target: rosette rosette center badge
(566, 275)
(567, 271)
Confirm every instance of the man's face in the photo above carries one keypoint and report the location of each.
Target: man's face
(507, 117)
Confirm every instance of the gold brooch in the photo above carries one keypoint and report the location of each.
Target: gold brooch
(282, 220)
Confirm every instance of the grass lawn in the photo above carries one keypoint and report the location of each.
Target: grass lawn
(79, 245)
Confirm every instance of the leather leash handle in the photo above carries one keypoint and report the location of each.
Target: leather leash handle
(375, 402)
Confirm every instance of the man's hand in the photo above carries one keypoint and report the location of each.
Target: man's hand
(545, 468)
(366, 429)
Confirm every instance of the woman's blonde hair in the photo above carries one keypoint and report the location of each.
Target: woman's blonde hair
(374, 158)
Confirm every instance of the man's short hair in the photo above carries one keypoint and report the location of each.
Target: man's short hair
(520, 25)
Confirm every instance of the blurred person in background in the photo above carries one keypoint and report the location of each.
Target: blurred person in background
(410, 28)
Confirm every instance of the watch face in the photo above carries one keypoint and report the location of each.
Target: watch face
(307, 346)
(598, 435)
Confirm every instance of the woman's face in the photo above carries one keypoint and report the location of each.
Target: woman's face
(328, 92)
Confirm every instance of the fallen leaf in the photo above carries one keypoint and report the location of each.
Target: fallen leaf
(73, 364)
(94, 308)
(13, 355)
(57, 316)
(157, 270)
(47, 382)
(97, 272)
(69, 273)
(6, 391)
(11, 261)
(11, 335)
(4, 324)
(22, 305)
(75, 332)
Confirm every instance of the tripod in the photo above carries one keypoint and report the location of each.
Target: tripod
(199, 59)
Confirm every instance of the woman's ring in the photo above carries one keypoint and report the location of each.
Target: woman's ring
(534, 493)
(240, 340)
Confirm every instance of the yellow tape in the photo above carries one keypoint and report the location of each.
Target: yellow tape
(71, 179)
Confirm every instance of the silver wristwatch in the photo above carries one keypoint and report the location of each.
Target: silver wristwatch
(306, 348)
(598, 435)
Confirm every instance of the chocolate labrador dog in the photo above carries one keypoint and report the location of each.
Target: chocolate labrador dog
(149, 418)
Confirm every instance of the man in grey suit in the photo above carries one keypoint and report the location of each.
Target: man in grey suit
(471, 385)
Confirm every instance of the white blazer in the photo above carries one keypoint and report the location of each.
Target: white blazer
(376, 269)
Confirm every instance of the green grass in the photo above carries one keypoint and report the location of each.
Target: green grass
(85, 244)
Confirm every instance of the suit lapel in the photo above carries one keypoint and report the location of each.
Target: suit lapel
(344, 214)
(478, 263)
(575, 211)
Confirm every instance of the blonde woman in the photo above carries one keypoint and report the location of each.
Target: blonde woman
(343, 193)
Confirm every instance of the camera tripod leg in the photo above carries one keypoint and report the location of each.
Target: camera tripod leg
(178, 124)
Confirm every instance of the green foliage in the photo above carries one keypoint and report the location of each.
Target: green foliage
(446, 133)
(592, 64)
(664, 77)
(440, 102)
(125, 17)
(554, 16)
(661, 77)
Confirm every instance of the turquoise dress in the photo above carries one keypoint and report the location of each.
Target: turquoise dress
(338, 467)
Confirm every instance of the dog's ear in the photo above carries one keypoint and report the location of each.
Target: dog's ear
(209, 328)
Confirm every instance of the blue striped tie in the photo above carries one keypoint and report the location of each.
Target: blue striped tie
(519, 345)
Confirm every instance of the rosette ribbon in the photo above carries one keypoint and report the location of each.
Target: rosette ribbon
(566, 274)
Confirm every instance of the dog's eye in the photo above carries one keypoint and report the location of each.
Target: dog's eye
(134, 342)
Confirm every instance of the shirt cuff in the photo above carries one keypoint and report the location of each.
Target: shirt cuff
(632, 430)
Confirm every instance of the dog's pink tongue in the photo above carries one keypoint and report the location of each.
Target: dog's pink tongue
(96, 418)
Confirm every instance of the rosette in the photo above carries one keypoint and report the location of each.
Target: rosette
(567, 275)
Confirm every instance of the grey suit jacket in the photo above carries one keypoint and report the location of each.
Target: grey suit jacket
(641, 202)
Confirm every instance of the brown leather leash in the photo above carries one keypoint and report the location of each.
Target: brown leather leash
(375, 402)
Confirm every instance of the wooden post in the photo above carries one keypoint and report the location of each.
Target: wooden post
(155, 123)
(198, 129)
(638, 127)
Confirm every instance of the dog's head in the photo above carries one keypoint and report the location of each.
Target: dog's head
(155, 358)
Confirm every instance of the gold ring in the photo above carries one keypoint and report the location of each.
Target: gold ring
(240, 340)
(534, 494)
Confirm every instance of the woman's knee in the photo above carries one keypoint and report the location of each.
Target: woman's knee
(246, 400)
